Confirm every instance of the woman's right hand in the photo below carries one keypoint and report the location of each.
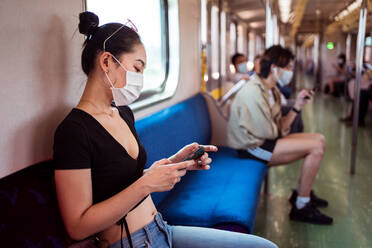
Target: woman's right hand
(163, 175)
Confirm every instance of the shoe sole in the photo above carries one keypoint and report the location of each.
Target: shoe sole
(309, 221)
(293, 203)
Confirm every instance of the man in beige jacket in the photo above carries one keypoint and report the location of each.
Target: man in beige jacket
(257, 130)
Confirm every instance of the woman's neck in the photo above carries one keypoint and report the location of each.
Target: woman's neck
(97, 96)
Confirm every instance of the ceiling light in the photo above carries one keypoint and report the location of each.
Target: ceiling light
(353, 6)
(256, 24)
(285, 10)
(248, 14)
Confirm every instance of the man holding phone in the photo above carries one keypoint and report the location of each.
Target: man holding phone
(258, 130)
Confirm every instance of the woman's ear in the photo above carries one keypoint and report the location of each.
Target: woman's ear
(105, 61)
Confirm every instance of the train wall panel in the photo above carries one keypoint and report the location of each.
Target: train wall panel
(43, 80)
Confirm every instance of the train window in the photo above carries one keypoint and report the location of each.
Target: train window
(368, 41)
(240, 39)
(203, 29)
(251, 46)
(152, 25)
(368, 49)
(223, 43)
(367, 54)
(232, 38)
(214, 41)
(259, 44)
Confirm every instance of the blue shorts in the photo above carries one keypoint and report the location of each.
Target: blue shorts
(158, 234)
(155, 234)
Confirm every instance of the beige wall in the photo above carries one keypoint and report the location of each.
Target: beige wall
(42, 78)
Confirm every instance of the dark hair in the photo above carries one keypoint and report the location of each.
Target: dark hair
(235, 57)
(258, 56)
(275, 55)
(121, 42)
(342, 56)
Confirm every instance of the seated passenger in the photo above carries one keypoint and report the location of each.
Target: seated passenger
(100, 178)
(338, 81)
(365, 96)
(286, 105)
(241, 70)
(257, 130)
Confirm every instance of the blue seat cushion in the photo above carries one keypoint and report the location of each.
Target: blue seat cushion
(29, 215)
(170, 129)
(228, 193)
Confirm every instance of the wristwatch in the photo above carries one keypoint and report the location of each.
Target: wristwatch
(295, 110)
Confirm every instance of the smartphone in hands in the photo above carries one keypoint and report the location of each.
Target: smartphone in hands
(195, 155)
(315, 89)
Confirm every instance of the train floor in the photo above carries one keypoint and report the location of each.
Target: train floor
(349, 197)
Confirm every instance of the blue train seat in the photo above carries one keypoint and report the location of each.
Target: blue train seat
(228, 193)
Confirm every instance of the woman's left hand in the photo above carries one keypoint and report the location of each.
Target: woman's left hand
(201, 163)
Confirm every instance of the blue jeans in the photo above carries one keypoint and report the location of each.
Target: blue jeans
(158, 234)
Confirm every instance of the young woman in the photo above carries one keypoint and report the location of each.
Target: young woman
(101, 183)
(258, 131)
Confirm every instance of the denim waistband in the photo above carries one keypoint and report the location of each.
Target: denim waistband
(148, 233)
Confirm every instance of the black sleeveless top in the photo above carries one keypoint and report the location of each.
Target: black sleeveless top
(81, 142)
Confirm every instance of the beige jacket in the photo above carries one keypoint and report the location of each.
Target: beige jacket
(252, 119)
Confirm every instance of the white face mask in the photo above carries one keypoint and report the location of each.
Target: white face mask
(131, 91)
(286, 76)
(242, 67)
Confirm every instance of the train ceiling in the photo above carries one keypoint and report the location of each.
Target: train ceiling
(250, 11)
(306, 16)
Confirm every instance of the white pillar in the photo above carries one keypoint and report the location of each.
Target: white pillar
(359, 64)
(269, 26)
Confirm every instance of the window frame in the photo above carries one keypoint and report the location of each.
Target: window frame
(165, 50)
(161, 93)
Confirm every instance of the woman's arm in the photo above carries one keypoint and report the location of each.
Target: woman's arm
(82, 219)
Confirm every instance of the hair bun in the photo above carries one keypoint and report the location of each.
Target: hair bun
(88, 23)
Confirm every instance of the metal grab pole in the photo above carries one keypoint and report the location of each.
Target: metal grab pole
(220, 6)
(359, 64)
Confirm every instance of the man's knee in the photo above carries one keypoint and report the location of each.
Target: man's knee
(318, 145)
(321, 140)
